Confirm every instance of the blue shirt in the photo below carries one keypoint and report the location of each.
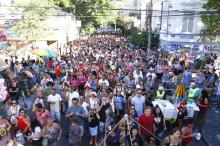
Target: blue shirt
(78, 109)
(200, 81)
(187, 76)
(113, 140)
(120, 102)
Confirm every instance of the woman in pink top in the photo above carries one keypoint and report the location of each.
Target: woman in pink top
(81, 81)
(74, 81)
(42, 114)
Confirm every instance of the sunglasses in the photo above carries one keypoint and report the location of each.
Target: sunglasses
(75, 99)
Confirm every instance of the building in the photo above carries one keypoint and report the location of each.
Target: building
(61, 28)
(134, 9)
(179, 24)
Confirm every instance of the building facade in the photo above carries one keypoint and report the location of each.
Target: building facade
(179, 24)
(61, 27)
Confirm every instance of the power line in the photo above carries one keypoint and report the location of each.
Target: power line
(120, 9)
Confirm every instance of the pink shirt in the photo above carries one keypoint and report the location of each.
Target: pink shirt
(81, 79)
(42, 117)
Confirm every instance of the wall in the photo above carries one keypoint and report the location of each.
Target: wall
(172, 34)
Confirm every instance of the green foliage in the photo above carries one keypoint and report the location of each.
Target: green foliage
(211, 21)
(140, 38)
(32, 25)
(92, 13)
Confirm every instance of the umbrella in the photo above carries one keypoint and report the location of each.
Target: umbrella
(51, 53)
(45, 53)
(40, 52)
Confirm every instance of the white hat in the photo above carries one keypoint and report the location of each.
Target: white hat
(193, 84)
(138, 86)
(161, 88)
(94, 93)
(151, 69)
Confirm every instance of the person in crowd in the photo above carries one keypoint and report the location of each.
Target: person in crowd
(39, 90)
(51, 133)
(42, 114)
(54, 100)
(77, 112)
(19, 136)
(5, 127)
(135, 137)
(139, 102)
(174, 139)
(36, 101)
(119, 104)
(23, 122)
(75, 133)
(13, 111)
(36, 134)
(160, 124)
(200, 80)
(114, 138)
(203, 106)
(160, 94)
(193, 93)
(13, 90)
(93, 101)
(187, 77)
(93, 119)
(187, 133)
(146, 124)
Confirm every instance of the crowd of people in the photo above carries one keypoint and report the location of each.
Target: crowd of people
(106, 87)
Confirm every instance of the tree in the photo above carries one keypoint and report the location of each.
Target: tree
(91, 13)
(139, 38)
(211, 21)
(33, 14)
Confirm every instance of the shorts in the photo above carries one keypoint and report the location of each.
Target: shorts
(93, 131)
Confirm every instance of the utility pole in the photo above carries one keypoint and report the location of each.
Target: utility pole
(149, 25)
(161, 15)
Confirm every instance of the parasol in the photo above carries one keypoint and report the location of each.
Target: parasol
(40, 52)
(45, 53)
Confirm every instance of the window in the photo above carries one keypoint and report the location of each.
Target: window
(187, 24)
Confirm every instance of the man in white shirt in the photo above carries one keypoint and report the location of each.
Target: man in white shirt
(137, 74)
(152, 73)
(54, 100)
(103, 80)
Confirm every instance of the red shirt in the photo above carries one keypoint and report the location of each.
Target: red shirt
(202, 102)
(187, 132)
(147, 123)
(22, 124)
(58, 71)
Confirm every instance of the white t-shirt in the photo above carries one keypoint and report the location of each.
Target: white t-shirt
(152, 74)
(138, 103)
(84, 105)
(37, 133)
(57, 99)
(101, 81)
(75, 94)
